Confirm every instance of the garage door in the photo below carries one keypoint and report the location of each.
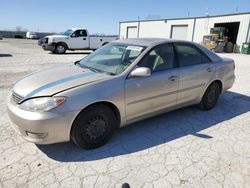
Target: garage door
(179, 32)
(132, 32)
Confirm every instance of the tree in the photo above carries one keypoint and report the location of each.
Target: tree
(19, 28)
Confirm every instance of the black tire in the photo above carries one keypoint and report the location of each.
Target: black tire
(210, 97)
(229, 47)
(94, 127)
(60, 48)
(219, 48)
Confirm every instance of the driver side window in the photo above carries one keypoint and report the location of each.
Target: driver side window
(159, 58)
(79, 33)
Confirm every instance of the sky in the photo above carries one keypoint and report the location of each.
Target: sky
(103, 16)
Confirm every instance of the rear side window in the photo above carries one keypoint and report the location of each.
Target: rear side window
(82, 33)
(189, 55)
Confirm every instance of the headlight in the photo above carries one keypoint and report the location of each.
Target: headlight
(42, 104)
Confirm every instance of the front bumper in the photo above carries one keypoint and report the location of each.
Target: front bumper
(40, 128)
(49, 47)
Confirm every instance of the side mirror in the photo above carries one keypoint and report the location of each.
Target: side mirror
(140, 71)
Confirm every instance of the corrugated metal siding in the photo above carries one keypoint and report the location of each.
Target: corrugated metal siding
(201, 28)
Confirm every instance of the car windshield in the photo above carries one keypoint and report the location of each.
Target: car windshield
(68, 32)
(112, 58)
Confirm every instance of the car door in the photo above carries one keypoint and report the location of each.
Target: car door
(196, 71)
(145, 95)
(79, 40)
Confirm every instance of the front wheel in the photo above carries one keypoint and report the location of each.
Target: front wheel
(60, 49)
(93, 127)
(210, 97)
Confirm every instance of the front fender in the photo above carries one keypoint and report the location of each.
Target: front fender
(111, 91)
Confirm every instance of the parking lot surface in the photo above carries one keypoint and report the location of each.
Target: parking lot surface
(183, 148)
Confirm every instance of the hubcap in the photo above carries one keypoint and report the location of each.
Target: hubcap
(60, 49)
(95, 128)
(211, 96)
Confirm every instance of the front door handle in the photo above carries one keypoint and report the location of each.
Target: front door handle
(173, 78)
(84, 39)
(209, 69)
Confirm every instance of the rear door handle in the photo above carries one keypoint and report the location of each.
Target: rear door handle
(84, 39)
(173, 78)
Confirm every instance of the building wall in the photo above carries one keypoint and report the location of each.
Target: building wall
(12, 34)
(160, 28)
(200, 29)
(123, 29)
(157, 27)
(197, 27)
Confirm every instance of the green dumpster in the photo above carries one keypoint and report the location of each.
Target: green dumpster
(245, 49)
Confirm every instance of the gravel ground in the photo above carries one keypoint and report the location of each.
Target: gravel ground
(183, 148)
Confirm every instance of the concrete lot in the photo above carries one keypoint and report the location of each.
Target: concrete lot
(184, 148)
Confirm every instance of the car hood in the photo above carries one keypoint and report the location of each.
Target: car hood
(54, 80)
(57, 36)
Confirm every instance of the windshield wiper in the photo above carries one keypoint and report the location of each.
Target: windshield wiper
(90, 68)
(94, 69)
(111, 73)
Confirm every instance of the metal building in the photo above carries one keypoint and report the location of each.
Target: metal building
(193, 29)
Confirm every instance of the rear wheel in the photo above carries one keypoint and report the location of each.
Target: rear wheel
(210, 97)
(60, 49)
(93, 127)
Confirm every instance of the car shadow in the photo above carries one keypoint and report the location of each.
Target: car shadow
(5, 55)
(155, 131)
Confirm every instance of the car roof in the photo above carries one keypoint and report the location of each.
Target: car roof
(151, 42)
(147, 41)
(74, 29)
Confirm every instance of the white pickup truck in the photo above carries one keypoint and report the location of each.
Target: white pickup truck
(74, 39)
